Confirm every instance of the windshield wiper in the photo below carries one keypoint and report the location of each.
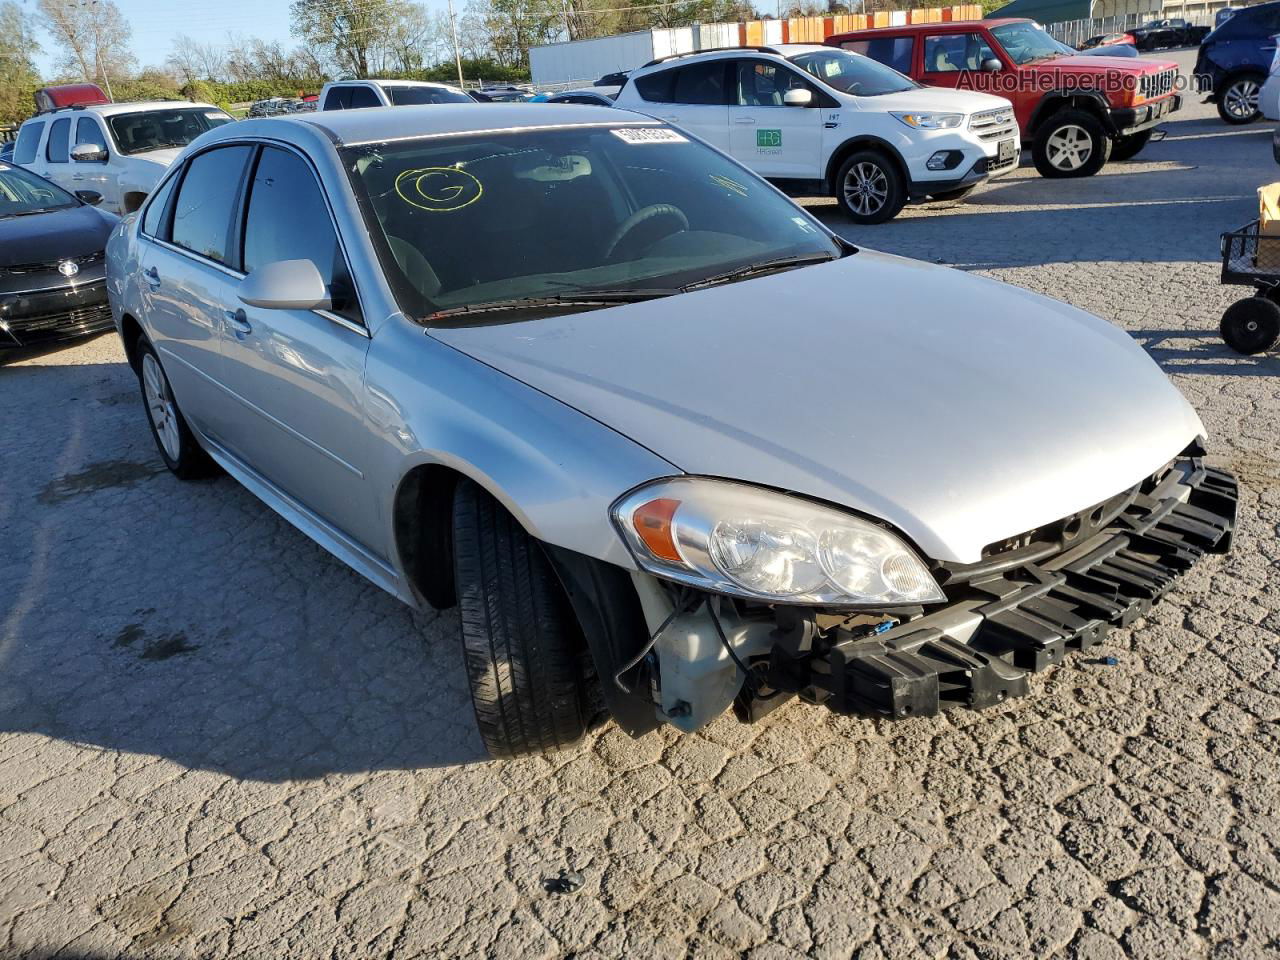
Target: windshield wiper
(28, 213)
(582, 298)
(755, 269)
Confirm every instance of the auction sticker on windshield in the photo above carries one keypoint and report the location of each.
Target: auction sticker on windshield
(648, 135)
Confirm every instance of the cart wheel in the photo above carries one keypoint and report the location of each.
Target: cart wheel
(1251, 325)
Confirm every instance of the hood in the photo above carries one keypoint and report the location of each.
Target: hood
(60, 235)
(926, 99)
(161, 158)
(1084, 63)
(961, 410)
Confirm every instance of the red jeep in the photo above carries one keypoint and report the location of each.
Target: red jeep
(1075, 111)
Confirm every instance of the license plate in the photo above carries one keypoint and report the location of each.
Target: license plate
(1004, 150)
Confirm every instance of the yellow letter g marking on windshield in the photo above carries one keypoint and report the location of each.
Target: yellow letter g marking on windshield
(438, 189)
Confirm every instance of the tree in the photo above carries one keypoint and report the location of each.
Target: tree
(18, 75)
(347, 31)
(511, 27)
(193, 60)
(92, 37)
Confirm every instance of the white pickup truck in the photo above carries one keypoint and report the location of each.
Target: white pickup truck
(118, 150)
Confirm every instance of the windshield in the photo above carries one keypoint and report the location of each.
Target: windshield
(1025, 42)
(462, 221)
(853, 74)
(157, 129)
(412, 96)
(22, 193)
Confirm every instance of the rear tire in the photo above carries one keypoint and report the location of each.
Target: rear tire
(1238, 99)
(869, 187)
(1071, 143)
(177, 445)
(1251, 325)
(1126, 148)
(522, 646)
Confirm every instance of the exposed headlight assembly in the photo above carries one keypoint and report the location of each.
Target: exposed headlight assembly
(732, 538)
(931, 121)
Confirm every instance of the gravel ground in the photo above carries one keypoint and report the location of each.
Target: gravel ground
(216, 741)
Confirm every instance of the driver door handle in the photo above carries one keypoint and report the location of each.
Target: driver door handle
(238, 323)
(744, 119)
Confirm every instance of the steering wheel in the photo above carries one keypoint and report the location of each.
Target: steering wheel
(653, 212)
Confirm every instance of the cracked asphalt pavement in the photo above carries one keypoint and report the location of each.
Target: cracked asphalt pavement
(216, 741)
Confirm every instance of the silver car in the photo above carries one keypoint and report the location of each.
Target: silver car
(669, 443)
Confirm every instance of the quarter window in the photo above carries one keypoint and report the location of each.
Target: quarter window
(153, 221)
(24, 151)
(657, 87)
(895, 52)
(337, 98)
(287, 219)
(952, 52)
(363, 97)
(206, 203)
(55, 150)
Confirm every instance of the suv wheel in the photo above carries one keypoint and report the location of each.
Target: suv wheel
(524, 652)
(1238, 100)
(1126, 148)
(1071, 144)
(869, 187)
(178, 447)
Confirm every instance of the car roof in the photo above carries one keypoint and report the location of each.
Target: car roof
(384, 82)
(115, 109)
(381, 124)
(947, 26)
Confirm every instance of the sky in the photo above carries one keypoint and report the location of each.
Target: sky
(156, 22)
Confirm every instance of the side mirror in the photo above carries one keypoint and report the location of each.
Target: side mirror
(91, 197)
(798, 97)
(992, 65)
(286, 285)
(88, 153)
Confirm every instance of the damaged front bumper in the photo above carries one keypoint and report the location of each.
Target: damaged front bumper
(1015, 613)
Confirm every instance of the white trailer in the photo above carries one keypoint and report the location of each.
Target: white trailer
(583, 61)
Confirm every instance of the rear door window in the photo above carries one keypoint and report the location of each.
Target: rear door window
(337, 98)
(657, 87)
(205, 209)
(701, 83)
(153, 221)
(895, 52)
(55, 150)
(24, 151)
(363, 97)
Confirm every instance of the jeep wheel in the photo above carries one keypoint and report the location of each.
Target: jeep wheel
(869, 187)
(522, 647)
(1251, 325)
(1070, 144)
(1126, 148)
(1238, 99)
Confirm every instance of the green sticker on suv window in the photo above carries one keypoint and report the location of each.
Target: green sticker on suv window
(768, 138)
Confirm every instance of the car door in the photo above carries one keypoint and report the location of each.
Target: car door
(188, 276)
(94, 175)
(955, 60)
(55, 162)
(771, 138)
(298, 375)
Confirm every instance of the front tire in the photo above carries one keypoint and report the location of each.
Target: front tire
(1072, 143)
(1251, 325)
(178, 447)
(522, 646)
(869, 187)
(1238, 99)
(1126, 148)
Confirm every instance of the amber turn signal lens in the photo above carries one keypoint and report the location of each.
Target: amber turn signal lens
(652, 522)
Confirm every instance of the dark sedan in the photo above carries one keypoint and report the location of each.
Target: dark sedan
(52, 285)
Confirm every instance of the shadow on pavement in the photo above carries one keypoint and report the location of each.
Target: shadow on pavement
(1203, 354)
(188, 621)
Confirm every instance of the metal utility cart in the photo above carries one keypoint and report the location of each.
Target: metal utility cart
(1250, 259)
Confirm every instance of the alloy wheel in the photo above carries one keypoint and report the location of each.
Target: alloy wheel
(866, 188)
(160, 406)
(1070, 147)
(1241, 99)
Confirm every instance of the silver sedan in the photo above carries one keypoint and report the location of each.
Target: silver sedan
(669, 443)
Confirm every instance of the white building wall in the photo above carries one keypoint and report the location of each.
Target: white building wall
(588, 60)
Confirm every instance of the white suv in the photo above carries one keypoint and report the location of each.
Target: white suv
(823, 120)
(354, 94)
(119, 150)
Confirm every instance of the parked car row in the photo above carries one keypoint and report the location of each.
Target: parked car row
(401, 329)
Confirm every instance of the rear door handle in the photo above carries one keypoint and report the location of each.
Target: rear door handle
(152, 276)
(238, 323)
(744, 119)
